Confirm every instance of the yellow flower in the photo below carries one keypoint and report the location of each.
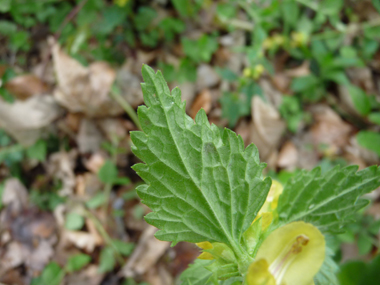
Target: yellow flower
(299, 39)
(205, 245)
(216, 250)
(247, 72)
(257, 71)
(292, 254)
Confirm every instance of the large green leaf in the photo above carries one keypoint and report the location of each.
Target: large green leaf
(202, 184)
(329, 200)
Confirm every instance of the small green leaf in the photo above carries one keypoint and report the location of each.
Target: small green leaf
(233, 107)
(5, 5)
(290, 10)
(122, 181)
(364, 243)
(96, 201)
(52, 274)
(374, 118)
(74, 221)
(331, 7)
(369, 140)
(38, 151)
(201, 49)
(107, 260)
(77, 262)
(125, 248)
(7, 27)
(300, 84)
(108, 172)
(376, 4)
(360, 99)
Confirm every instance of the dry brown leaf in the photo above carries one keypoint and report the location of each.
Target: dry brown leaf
(282, 82)
(13, 257)
(80, 239)
(300, 71)
(95, 162)
(329, 128)
(362, 77)
(61, 166)
(288, 156)
(88, 276)
(113, 128)
(203, 100)
(89, 137)
(129, 84)
(307, 155)
(267, 128)
(243, 129)
(25, 86)
(270, 92)
(206, 77)
(25, 120)
(146, 254)
(159, 276)
(82, 89)
(15, 195)
(73, 121)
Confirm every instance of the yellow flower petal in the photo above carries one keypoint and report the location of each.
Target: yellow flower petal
(206, 256)
(204, 245)
(272, 199)
(258, 274)
(295, 253)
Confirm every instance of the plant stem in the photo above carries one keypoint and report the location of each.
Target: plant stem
(104, 235)
(108, 186)
(126, 106)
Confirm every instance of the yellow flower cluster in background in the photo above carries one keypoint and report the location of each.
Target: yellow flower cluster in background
(254, 72)
(297, 39)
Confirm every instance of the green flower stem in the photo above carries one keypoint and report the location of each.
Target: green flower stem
(115, 94)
